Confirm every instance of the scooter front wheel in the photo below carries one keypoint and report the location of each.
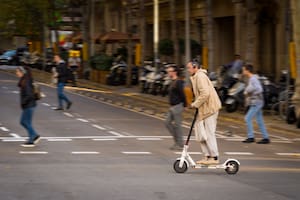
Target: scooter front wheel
(232, 167)
(179, 169)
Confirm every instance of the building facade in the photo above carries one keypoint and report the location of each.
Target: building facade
(255, 29)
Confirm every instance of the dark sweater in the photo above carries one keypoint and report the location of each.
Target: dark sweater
(26, 92)
(62, 72)
(176, 93)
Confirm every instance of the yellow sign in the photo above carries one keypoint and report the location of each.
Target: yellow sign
(74, 53)
(293, 66)
(138, 54)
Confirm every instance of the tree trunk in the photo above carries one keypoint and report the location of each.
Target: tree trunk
(210, 43)
(142, 31)
(174, 31)
(295, 8)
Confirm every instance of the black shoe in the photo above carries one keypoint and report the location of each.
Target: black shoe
(69, 105)
(58, 108)
(264, 141)
(249, 140)
(28, 144)
(36, 139)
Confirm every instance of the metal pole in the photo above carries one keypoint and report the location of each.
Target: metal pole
(156, 32)
(187, 36)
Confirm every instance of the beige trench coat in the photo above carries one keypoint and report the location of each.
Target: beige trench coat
(206, 98)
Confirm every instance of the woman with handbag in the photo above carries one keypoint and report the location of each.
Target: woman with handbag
(28, 104)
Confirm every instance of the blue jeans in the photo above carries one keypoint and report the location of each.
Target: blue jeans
(255, 111)
(61, 96)
(26, 122)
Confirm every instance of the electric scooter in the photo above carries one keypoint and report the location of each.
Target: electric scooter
(181, 165)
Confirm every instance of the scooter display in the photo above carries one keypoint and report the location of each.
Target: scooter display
(181, 165)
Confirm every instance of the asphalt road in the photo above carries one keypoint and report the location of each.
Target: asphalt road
(99, 151)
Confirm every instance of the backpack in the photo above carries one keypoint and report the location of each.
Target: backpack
(36, 91)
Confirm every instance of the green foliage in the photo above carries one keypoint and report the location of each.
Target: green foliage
(196, 48)
(27, 17)
(101, 62)
(166, 47)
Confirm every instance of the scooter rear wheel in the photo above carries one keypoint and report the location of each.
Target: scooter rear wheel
(179, 169)
(232, 167)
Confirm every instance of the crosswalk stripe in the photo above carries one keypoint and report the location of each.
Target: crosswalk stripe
(137, 152)
(33, 152)
(85, 152)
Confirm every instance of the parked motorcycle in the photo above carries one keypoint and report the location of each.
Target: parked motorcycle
(235, 97)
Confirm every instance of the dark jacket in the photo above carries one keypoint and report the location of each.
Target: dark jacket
(26, 92)
(62, 71)
(176, 93)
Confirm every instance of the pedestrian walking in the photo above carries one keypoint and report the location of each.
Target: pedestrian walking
(208, 104)
(254, 103)
(62, 78)
(177, 102)
(28, 104)
(74, 64)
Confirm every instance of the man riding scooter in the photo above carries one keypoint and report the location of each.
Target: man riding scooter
(208, 104)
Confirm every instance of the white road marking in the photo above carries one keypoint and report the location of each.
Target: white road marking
(59, 139)
(82, 120)
(137, 152)
(13, 140)
(234, 139)
(296, 139)
(234, 126)
(105, 139)
(191, 153)
(127, 134)
(149, 139)
(68, 114)
(84, 152)
(15, 135)
(33, 152)
(98, 127)
(239, 153)
(4, 87)
(4, 129)
(279, 137)
(281, 141)
(288, 154)
(15, 92)
(115, 133)
(45, 104)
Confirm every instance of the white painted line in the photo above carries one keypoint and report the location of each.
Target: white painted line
(220, 136)
(116, 134)
(281, 141)
(84, 152)
(234, 126)
(59, 139)
(15, 92)
(13, 140)
(136, 152)
(127, 134)
(4, 129)
(105, 139)
(33, 152)
(45, 104)
(296, 139)
(288, 154)
(279, 137)
(15, 135)
(239, 153)
(191, 153)
(149, 139)
(82, 120)
(4, 87)
(98, 127)
(68, 114)
(234, 139)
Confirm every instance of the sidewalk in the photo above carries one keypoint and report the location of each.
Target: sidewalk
(158, 105)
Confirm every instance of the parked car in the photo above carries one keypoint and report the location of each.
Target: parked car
(9, 58)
